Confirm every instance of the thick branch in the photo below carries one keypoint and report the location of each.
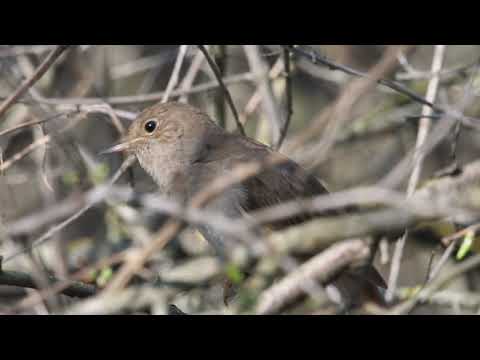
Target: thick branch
(14, 278)
(455, 198)
(321, 268)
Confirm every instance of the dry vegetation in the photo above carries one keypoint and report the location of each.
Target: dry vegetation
(392, 130)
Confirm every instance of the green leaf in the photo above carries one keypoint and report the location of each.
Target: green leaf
(70, 178)
(466, 245)
(234, 274)
(100, 173)
(105, 275)
(409, 292)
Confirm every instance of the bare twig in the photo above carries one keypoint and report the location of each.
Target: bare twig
(270, 106)
(41, 70)
(140, 65)
(424, 129)
(256, 99)
(321, 268)
(132, 299)
(442, 198)
(15, 278)
(102, 192)
(413, 74)
(191, 74)
(289, 96)
(25, 50)
(317, 58)
(215, 70)
(455, 200)
(336, 116)
(468, 300)
(137, 258)
(30, 123)
(437, 284)
(323, 231)
(61, 285)
(172, 83)
(147, 98)
(443, 128)
(443, 260)
(35, 145)
(460, 234)
(220, 58)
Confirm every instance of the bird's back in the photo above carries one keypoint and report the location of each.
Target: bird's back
(278, 184)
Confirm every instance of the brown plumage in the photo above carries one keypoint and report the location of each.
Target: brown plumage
(184, 150)
(187, 150)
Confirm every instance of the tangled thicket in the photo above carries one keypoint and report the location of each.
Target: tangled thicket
(392, 130)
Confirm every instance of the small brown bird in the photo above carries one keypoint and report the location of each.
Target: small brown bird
(183, 150)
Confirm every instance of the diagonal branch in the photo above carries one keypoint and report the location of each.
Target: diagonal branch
(216, 71)
(317, 58)
(321, 268)
(37, 75)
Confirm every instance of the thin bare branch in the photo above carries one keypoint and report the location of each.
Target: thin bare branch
(289, 96)
(317, 58)
(37, 75)
(174, 78)
(437, 284)
(147, 98)
(269, 102)
(215, 70)
(423, 130)
(100, 196)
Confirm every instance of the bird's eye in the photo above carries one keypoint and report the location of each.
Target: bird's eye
(150, 126)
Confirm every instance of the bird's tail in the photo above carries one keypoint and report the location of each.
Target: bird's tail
(355, 287)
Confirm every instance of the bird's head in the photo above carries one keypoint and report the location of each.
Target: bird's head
(164, 136)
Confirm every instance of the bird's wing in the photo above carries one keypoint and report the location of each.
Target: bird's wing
(284, 182)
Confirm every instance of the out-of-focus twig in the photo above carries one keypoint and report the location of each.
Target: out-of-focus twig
(172, 83)
(317, 58)
(102, 192)
(445, 256)
(289, 96)
(436, 284)
(187, 82)
(19, 50)
(30, 123)
(451, 198)
(172, 227)
(336, 116)
(320, 268)
(61, 285)
(133, 298)
(20, 279)
(442, 130)
(147, 98)
(270, 106)
(221, 82)
(36, 144)
(423, 130)
(42, 69)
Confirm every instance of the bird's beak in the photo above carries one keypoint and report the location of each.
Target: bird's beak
(123, 146)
